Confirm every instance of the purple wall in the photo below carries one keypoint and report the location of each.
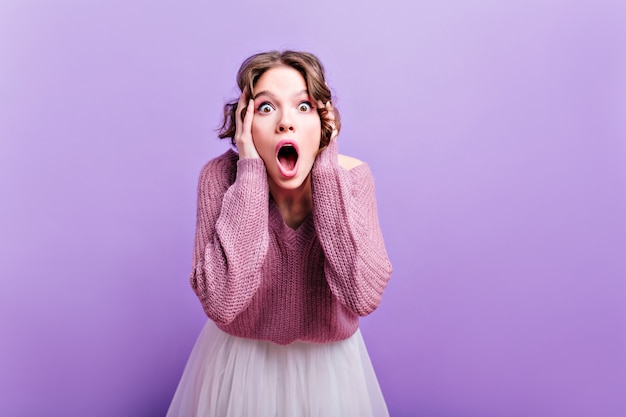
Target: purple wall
(497, 134)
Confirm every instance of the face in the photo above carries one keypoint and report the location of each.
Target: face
(286, 127)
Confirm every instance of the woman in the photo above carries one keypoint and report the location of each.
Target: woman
(288, 255)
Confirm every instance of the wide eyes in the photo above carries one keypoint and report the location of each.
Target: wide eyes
(305, 107)
(267, 108)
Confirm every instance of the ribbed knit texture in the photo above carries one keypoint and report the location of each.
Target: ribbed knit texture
(257, 278)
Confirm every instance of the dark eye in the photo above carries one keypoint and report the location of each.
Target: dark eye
(265, 108)
(305, 107)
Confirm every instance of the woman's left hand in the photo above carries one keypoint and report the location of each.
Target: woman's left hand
(331, 117)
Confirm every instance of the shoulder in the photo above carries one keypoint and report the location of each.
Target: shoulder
(220, 163)
(348, 162)
(219, 171)
(358, 171)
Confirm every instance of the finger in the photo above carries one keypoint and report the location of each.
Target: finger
(247, 120)
(328, 107)
(331, 112)
(240, 107)
(244, 140)
(331, 118)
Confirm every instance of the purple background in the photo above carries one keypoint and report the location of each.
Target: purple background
(497, 135)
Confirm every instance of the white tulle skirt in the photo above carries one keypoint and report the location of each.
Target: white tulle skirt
(228, 376)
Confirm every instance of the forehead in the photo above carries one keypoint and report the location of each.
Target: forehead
(280, 79)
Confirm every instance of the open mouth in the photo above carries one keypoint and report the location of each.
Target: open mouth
(287, 157)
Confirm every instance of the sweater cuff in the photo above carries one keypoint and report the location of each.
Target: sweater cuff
(251, 170)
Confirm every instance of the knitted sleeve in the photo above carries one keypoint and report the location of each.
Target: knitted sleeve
(357, 267)
(231, 236)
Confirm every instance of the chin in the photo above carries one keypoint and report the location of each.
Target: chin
(290, 184)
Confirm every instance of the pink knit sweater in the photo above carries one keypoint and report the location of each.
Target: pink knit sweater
(257, 278)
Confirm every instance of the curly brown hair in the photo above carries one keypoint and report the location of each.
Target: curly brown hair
(306, 64)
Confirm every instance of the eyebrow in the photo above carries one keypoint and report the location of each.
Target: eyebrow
(270, 95)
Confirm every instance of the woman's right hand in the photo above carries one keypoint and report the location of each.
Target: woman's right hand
(243, 128)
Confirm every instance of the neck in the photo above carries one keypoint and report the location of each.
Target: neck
(295, 205)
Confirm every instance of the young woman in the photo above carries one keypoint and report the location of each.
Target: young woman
(288, 255)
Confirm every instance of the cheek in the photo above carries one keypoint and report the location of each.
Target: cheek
(315, 132)
(313, 137)
(261, 128)
(257, 126)
(264, 138)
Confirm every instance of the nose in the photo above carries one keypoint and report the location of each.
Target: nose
(285, 124)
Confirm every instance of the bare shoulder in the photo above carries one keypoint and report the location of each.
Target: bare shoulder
(348, 162)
